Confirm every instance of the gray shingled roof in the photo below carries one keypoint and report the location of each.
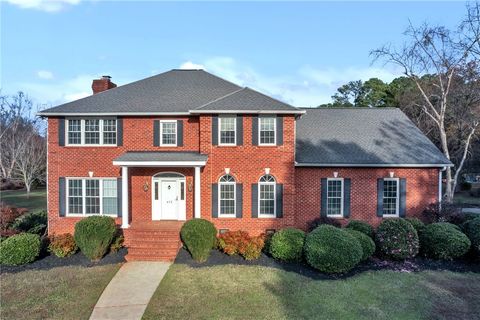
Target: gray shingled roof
(161, 156)
(245, 99)
(175, 91)
(171, 91)
(363, 137)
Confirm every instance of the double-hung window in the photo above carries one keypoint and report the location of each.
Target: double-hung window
(226, 130)
(266, 196)
(93, 131)
(226, 199)
(390, 197)
(267, 130)
(87, 196)
(168, 132)
(335, 197)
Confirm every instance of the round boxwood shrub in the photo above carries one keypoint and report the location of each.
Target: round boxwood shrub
(443, 241)
(368, 246)
(397, 239)
(332, 250)
(361, 226)
(20, 249)
(199, 237)
(287, 244)
(472, 230)
(416, 223)
(93, 235)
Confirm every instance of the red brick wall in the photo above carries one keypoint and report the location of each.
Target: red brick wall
(75, 161)
(422, 189)
(247, 164)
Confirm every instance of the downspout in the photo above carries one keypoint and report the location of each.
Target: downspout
(440, 197)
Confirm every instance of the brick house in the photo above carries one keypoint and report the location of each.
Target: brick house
(185, 144)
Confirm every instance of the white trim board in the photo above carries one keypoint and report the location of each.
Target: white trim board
(160, 163)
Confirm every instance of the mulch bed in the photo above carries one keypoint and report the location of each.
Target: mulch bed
(218, 258)
(51, 261)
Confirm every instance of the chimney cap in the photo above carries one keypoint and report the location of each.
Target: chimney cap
(106, 77)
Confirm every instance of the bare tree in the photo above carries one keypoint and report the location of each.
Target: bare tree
(439, 55)
(32, 161)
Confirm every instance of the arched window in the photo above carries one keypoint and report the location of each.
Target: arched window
(266, 196)
(226, 199)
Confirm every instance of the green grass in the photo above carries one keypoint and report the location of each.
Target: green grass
(247, 292)
(36, 201)
(58, 293)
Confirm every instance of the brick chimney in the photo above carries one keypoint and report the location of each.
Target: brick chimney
(102, 84)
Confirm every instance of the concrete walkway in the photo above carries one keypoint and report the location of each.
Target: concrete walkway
(128, 293)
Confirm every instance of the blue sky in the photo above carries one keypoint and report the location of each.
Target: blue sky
(298, 52)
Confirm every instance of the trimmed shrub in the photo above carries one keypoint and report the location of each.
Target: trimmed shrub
(287, 244)
(62, 245)
(20, 249)
(472, 230)
(32, 222)
(198, 236)
(93, 235)
(368, 246)
(315, 223)
(442, 240)
(117, 244)
(397, 239)
(416, 223)
(240, 242)
(362, 227)
(332, 250)
(8, 214)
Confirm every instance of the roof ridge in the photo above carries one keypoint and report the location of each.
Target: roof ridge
(220, 98)
(263, 94)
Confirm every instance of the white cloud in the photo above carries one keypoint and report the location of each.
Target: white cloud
(306, 87)
(191, 65)
(44, 74)
(44, 5)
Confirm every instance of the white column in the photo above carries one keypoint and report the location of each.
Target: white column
(197, 193)
(125, 197)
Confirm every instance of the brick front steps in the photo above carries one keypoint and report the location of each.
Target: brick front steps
(153, 240)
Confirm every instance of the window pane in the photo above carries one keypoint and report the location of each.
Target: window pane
(334, 197)
(227, 130)
(74, 131)
(92, 196)
(267, 130)
(92, 131)
(169, 133)
(267, 198)
(227, 198)
(75, 202)
(109, 131)
(390, 199)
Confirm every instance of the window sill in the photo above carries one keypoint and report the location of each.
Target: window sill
(81, 215)
(227, 145)
(335, 217)
(90, 146)
(390, 216)
(227, 217)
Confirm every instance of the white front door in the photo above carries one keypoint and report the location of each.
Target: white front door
(168, 199)
(169, 202)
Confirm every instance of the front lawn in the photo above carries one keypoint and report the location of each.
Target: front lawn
(259, 292)
(59, 293)
(36, 201)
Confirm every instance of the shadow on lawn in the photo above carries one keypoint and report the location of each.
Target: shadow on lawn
(218, 258)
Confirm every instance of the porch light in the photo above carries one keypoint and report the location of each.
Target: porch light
(190, 187)
(90, 174)
(335, 174)
(392, 174)
(145, 186)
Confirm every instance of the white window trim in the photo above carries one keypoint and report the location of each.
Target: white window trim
(220, 130)
(223, 215)
(264, 215)
(397, 205)
(341, 200)
(274, 143)
(82, 133)
(84, 205)
(162, 122)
